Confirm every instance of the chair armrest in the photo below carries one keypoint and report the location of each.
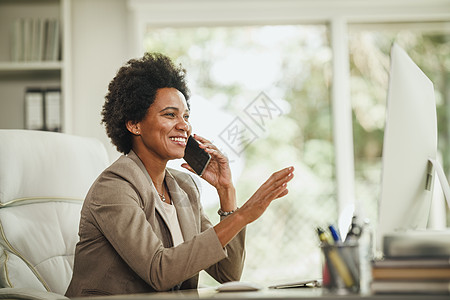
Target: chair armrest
(28, 294)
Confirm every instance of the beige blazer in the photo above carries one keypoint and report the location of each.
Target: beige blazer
(126, 247)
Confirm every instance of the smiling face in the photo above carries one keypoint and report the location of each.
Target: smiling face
(163, 132)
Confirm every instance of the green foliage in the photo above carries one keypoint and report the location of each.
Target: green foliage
(370, 51)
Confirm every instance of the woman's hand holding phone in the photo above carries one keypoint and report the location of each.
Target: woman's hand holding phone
(196, 157)
(217, 171)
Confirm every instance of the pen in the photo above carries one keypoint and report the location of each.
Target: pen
(322, 235)
(335, 259)
(334, 233)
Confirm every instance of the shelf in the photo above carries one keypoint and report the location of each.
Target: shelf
(26, 69)
(30, 66)
(17, 76)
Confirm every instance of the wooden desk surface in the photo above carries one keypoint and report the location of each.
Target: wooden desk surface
(264, 294)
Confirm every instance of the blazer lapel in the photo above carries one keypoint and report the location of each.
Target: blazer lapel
(179, 198)
(154, 194)
(184, 210)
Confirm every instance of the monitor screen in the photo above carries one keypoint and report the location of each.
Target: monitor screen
(410, 139)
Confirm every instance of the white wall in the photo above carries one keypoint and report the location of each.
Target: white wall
(98, 49)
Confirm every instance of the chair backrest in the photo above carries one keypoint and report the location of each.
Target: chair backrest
(44, 177)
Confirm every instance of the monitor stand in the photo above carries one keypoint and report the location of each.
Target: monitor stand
(422, 242)
(435, 165)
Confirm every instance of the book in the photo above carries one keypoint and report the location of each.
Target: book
(411, 273)
(47, 39)
(417, 243)
(35, 39)
(56, 41)
(52, 40)
(16, 40)
(41, 40)
(27, 38)
(411, 287)
(412, 262)
(408, 275)
(37, 47)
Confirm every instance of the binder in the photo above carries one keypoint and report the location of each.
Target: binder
(34, 109)
(52, 112)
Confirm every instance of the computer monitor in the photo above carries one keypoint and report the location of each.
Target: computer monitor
(410, 141)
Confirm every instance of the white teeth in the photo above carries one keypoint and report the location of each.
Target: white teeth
(178, 139)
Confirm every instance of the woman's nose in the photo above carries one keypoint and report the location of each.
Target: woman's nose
(183, 125)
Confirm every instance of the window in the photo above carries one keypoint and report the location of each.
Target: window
(428, 44)
(273, 82)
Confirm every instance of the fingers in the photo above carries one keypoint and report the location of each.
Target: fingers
(210, 147)
(201, 139)
(188, 167)
(275, 187)
(282, 177)
(218, 156)
(204, 143)
(277, 183)
(284, 172)
(284, 193)
(279, 191)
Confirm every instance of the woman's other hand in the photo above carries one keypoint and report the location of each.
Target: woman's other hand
(275, 187)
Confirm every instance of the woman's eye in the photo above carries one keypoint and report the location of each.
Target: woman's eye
(186, 117)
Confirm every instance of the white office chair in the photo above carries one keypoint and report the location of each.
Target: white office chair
(44, 177)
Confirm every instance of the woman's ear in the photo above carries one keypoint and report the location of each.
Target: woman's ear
(133, 127)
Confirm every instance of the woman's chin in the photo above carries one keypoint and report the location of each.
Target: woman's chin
(177, 156)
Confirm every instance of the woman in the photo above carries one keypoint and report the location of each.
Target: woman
(142, 227)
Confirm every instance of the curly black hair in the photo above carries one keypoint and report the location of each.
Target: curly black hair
(133, 90)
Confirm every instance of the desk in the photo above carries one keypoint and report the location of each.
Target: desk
(264, 294)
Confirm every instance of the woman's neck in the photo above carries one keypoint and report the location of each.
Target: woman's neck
(157, 177)
(156, 168)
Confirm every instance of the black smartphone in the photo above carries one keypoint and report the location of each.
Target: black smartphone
(195, 156)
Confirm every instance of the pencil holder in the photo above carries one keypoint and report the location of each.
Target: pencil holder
(340, 268)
